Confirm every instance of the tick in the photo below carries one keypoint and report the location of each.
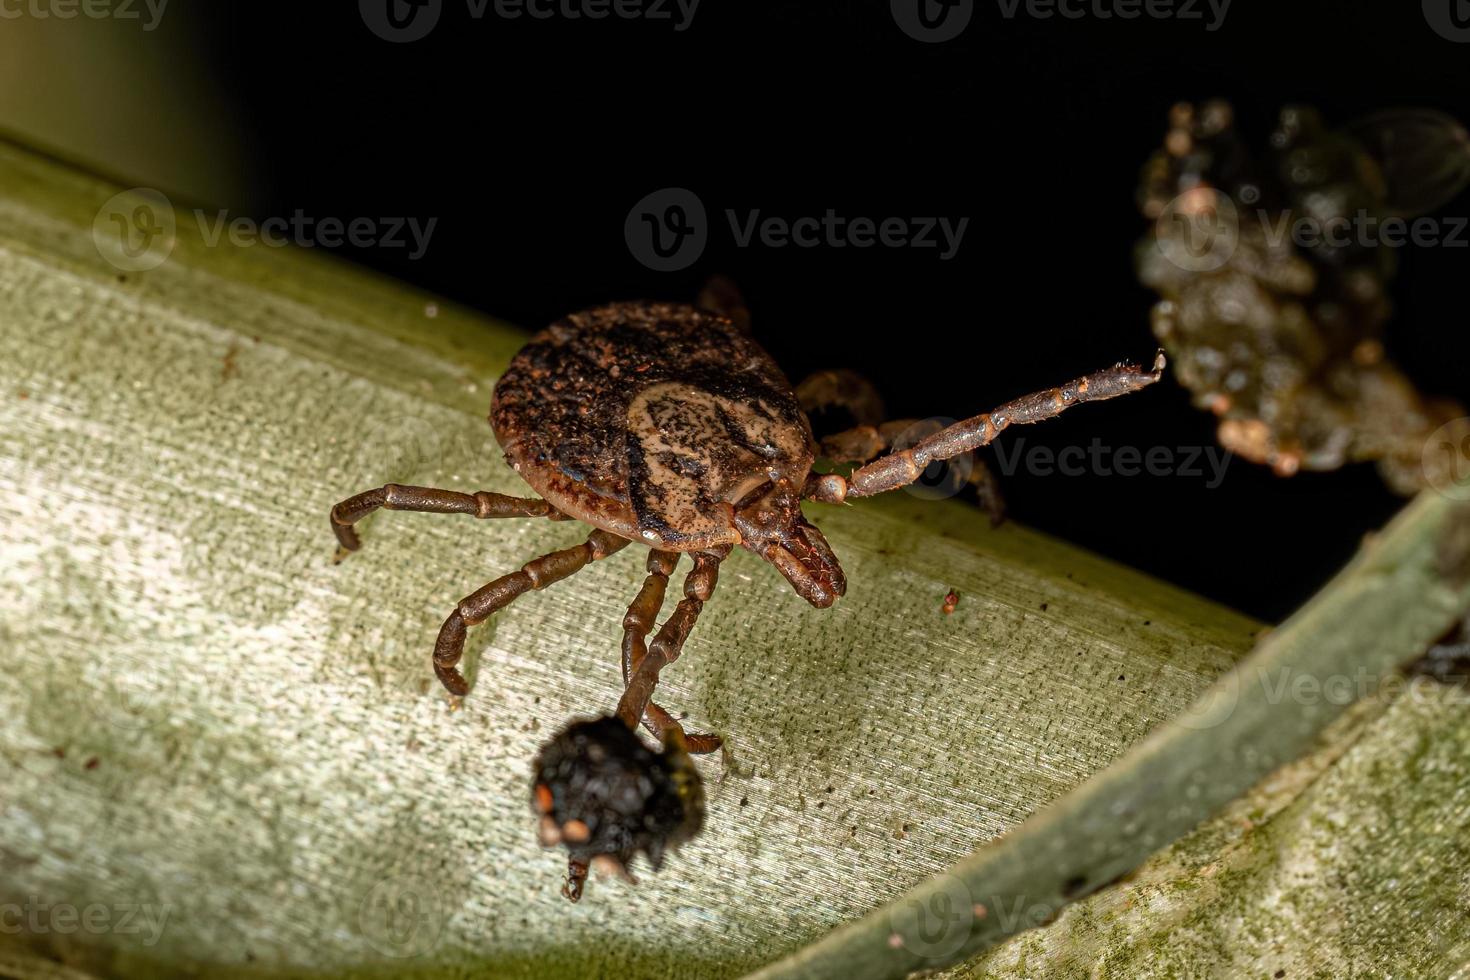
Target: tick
(666, 425)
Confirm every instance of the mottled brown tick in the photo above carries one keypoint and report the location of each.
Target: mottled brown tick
(667, 425)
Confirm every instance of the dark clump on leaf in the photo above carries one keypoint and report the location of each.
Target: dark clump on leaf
(1273, 269)
(605, 794)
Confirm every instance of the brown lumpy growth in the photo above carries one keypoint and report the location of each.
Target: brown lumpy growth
(1279, 333)
(650, 419)
(601, 792)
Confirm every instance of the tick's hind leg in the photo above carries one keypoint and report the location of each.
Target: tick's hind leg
(866, 442)
(721, 295)
(392, 496)
(844, 390)
(699, 585)
(637, 624)
(481, 605)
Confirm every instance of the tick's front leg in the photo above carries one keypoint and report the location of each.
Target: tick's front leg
(901, 468)
(864, 443)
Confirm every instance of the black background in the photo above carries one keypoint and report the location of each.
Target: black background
(530, 140)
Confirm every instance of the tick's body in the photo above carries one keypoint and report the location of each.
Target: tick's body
(667, 425)
(652, 421)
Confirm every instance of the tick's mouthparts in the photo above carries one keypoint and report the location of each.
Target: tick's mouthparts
(805, 559)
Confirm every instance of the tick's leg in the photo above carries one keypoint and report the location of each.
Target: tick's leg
(637, 624)
(481, 605)
(987, 492)
(904, 467)
(721, 295)
(699, 584)
(392, 496)
(864, 443)
(842, 389)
